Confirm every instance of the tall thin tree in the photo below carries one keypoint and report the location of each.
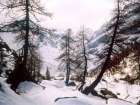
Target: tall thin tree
(83, 56)
(66, 57)
(90, 89)
(29, 32)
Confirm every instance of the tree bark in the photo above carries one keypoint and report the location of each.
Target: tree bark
(67, 58)
(26, 44)
(85, 63)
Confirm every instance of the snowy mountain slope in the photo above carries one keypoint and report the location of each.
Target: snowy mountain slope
(97, 47)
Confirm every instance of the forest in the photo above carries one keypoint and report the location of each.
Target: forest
(90, 68)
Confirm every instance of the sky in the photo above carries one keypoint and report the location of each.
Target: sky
(76, 13)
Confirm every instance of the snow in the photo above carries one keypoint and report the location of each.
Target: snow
(8, 97)
(53, 92)
(71, 102)
(57, 89)
(118, 102)
(28, 87)
(124, 90)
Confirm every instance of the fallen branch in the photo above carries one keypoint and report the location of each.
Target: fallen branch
(63, 98)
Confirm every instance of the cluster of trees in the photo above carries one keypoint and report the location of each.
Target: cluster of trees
(123, 34)
(122, 31)
(74, 56)
(22, 21)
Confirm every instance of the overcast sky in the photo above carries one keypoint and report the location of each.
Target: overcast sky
(75, 13)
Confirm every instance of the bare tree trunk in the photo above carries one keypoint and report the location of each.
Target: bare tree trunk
(138, 55)
(1, 60)
(26, 44)
(68, 58)
(85, 61)
(90, 89)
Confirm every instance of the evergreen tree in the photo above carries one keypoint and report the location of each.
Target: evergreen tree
(48, 76)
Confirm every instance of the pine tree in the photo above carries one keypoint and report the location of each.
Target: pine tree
(48, 76)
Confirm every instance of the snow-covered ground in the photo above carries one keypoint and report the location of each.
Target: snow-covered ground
(123, 90)
(56, 93)
(9, 97)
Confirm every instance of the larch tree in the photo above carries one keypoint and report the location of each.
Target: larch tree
(91, 88)
(82, 56)
(66, 56)
(22, 17)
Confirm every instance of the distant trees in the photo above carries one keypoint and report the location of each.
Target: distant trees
(34, 64)
(7, 56)
(2, 54)
(48, 75)
(136, 57)
(131, 27)
(29, 33)
(130, 10)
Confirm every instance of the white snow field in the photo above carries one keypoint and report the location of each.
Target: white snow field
(56, 93)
